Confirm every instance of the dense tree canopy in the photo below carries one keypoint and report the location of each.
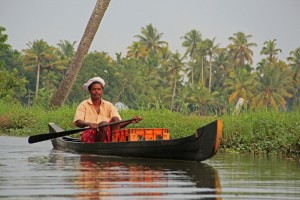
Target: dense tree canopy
(12, 80)
(207, 79)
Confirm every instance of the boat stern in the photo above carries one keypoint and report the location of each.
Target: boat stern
(219, 135)
(209, 140)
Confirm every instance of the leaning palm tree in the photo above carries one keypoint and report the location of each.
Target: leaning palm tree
(66, 85)
(240, 47)
(270, 50)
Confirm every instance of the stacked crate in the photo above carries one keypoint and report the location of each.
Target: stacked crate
(140, 134)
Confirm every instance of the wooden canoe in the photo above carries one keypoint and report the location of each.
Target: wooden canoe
(200, 146)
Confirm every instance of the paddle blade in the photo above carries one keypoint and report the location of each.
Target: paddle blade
(49, 136)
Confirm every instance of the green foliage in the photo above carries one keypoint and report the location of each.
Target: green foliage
(12, 86)
(204, 81)
(95, 64)
(262, 131)
(10, 58)
(178, 124)
(15, 117)
(42, 59)
(275, 87)
(12, 83)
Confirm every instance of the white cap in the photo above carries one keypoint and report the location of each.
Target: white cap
(95, 79)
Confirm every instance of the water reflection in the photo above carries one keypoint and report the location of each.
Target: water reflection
(115, 177)
(36, 172)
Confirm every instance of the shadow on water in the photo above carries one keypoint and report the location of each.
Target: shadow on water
(114, 177)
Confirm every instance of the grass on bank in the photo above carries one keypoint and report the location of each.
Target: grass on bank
(256, 132)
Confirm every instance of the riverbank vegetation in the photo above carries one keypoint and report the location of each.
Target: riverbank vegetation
(263, 131)
(258, 103)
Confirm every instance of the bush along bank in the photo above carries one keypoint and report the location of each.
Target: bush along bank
(267, 132)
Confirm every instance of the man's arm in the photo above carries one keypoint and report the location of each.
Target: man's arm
(135, 119)
(82, 124)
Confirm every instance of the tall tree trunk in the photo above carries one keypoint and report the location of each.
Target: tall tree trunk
(192, 73)
(66, 85)
(202, 71)
(174, 93)
(37, 80)
(210, 75)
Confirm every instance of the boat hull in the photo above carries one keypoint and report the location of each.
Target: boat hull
(197, 147)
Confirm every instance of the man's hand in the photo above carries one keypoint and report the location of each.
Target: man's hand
(94, 125)
(136, 119)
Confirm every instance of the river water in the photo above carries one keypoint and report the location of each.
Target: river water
(36, 171)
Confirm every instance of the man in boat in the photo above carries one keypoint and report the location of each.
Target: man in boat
(96, 111)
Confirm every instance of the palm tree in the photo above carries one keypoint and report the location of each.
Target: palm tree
(202, 98)
(176, 67)
(201, 54)
(151, 39)
(137, 50)
(240, 47)
(211, 50)
(222, 66)
(294, 59)
(191, 42)
(39, 53)
(270, 50)
(133, 86)
(241, 85)
(165, 64)
(66, 85)
(182, 100)
(66, 50)
(275, 86)
(261, 65)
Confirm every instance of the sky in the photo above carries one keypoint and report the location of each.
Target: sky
(55, 20)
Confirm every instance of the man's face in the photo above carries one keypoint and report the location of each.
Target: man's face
(96, 91)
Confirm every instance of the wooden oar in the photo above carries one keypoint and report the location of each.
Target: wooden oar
(48, 136)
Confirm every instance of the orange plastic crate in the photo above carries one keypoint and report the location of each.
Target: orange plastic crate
(140, 134)
(136, 134)
(118, 136)
(149, 135)
(115, 136)
(161, 134)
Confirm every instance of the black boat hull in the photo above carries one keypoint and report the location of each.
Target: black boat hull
(198, 147)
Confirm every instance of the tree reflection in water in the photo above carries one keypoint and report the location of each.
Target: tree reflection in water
(102, 177)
